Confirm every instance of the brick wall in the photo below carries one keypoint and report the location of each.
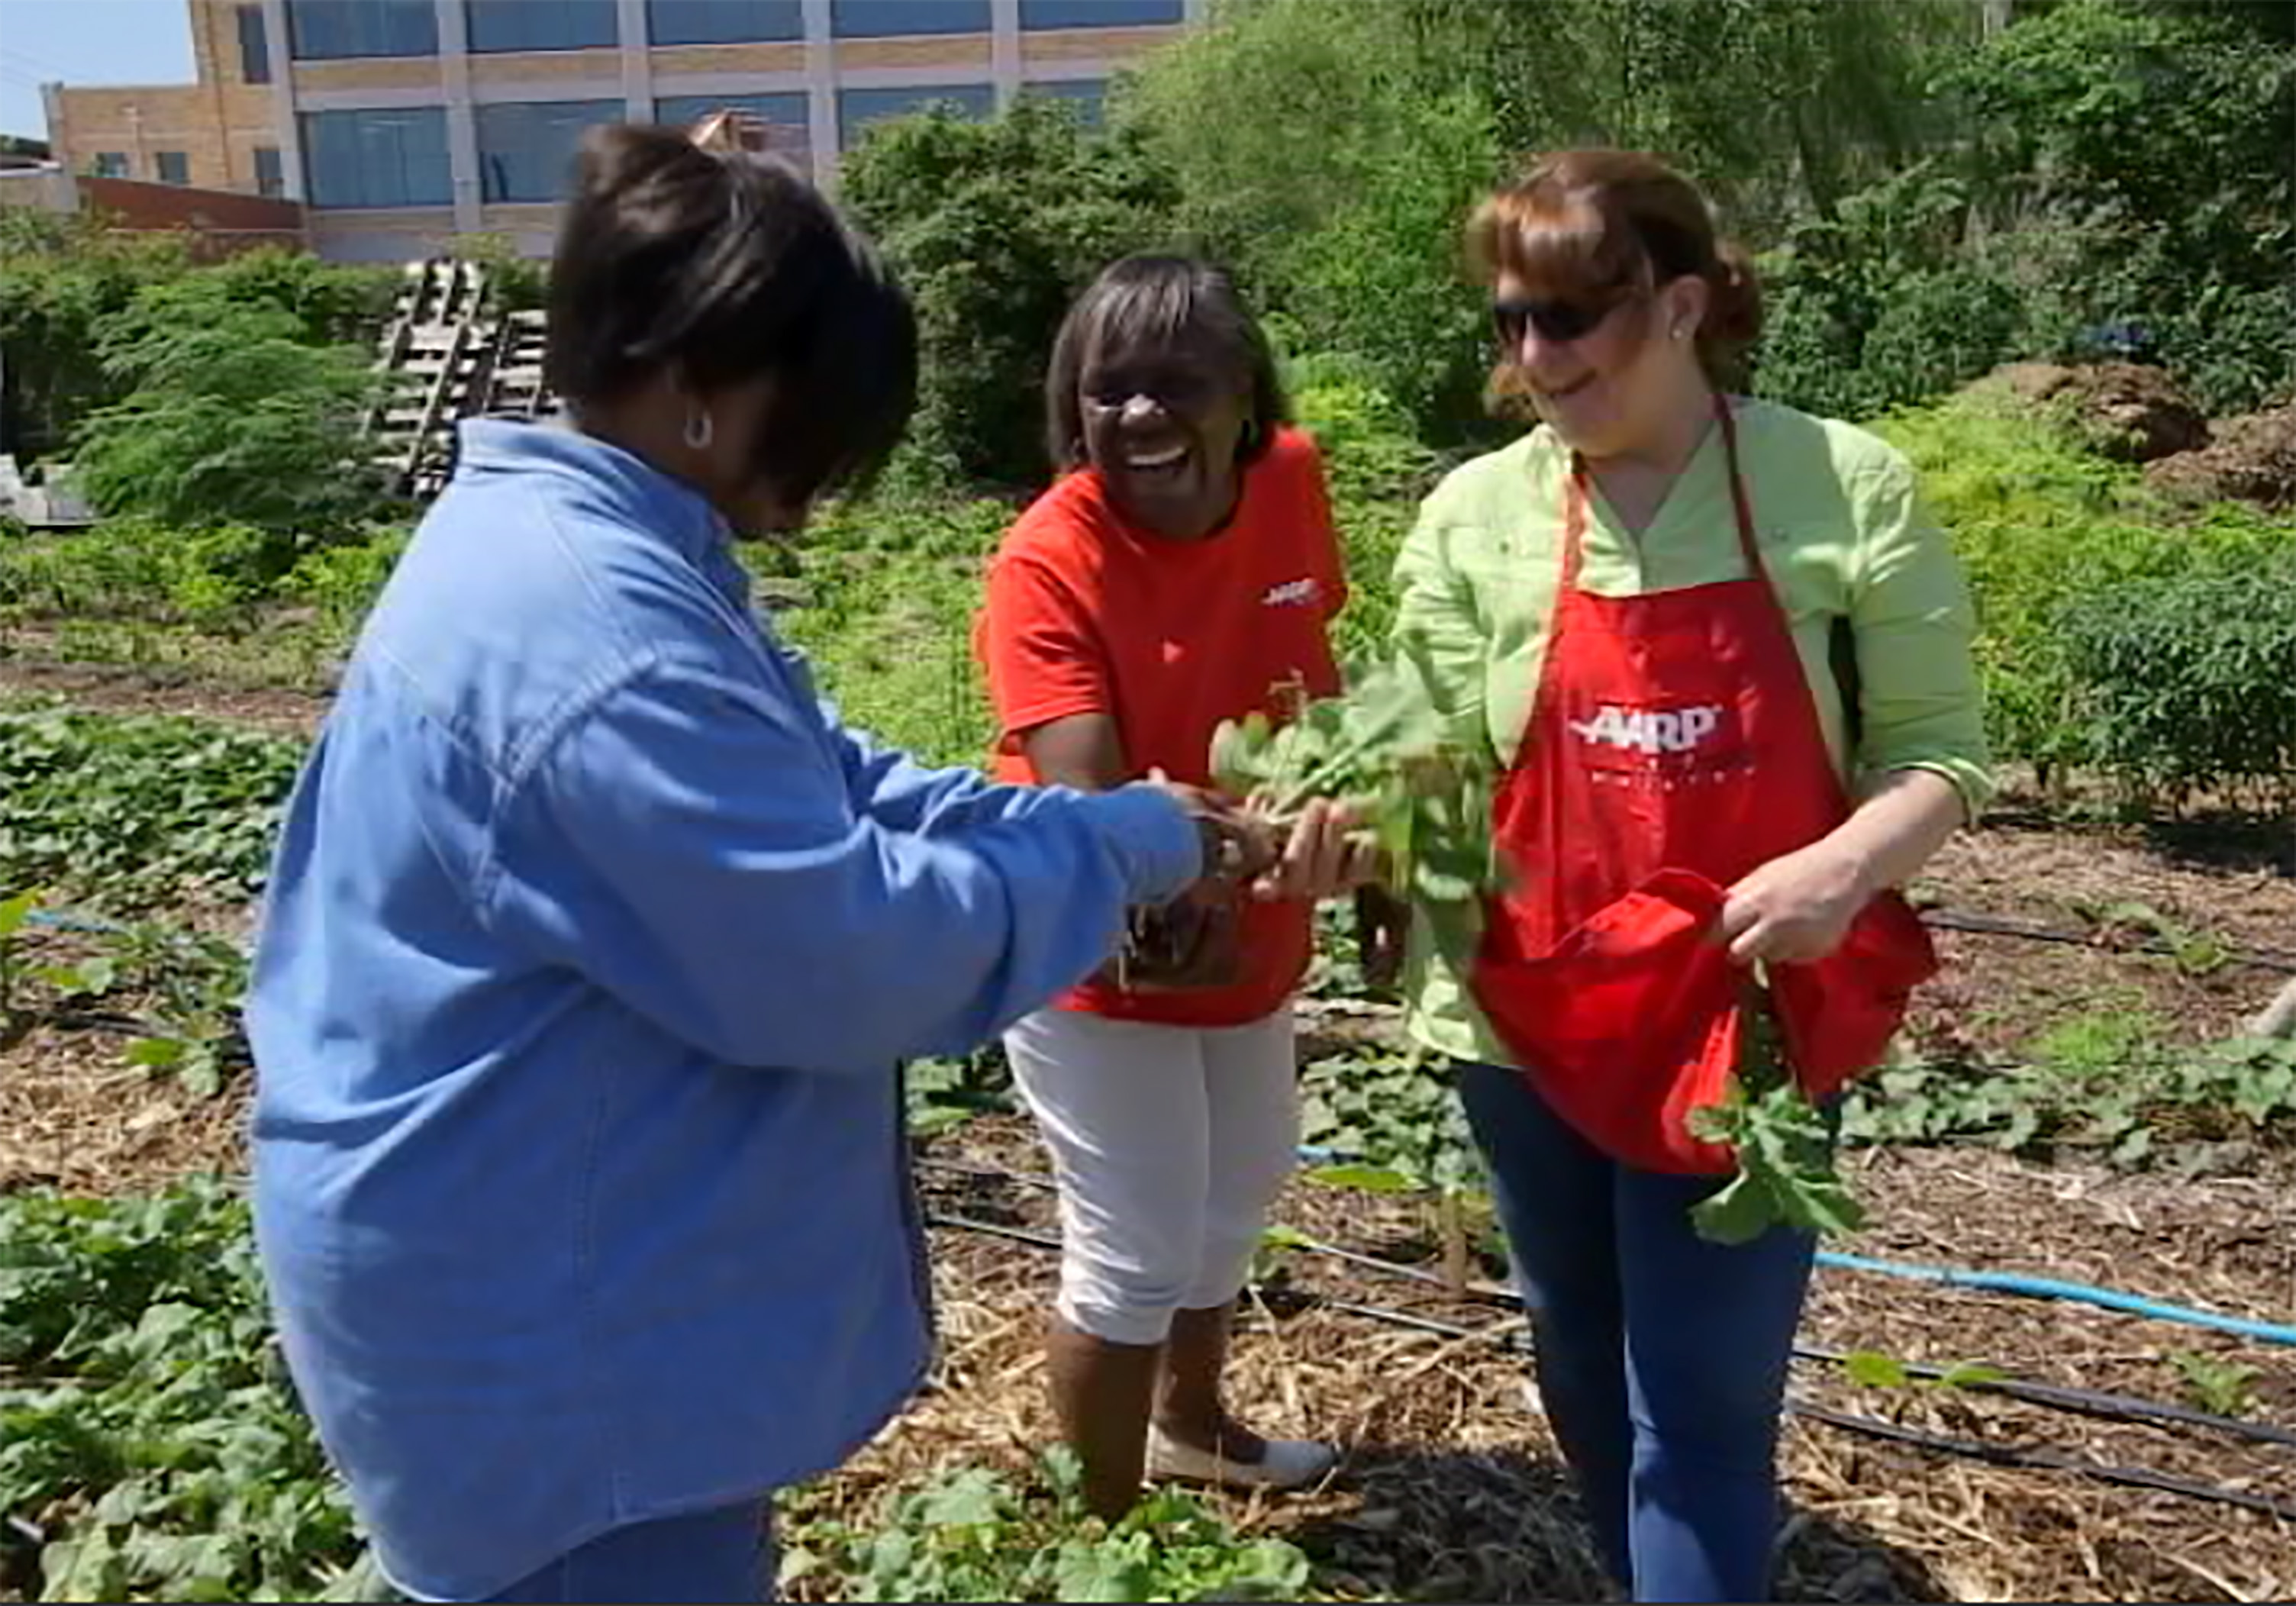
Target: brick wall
(373, 72)
(671, 60)
(1094, 44)
(967, 54)
(225, 219)
(139, 123)
(215, 123)
(546, 67)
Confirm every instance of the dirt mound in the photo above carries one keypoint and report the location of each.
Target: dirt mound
(2249, 459)
(2132, 412)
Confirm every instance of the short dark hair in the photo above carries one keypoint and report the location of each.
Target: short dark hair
(1155, 301)
(730, 266)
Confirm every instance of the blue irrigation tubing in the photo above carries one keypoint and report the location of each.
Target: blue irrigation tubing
(2007, 1282)
(64, 920)
(2052, 1288)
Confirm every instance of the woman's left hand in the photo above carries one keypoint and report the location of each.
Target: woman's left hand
(1322, 859)
(1796, 908)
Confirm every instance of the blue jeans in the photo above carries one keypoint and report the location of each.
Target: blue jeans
(1662, 1358)
(719, 1555)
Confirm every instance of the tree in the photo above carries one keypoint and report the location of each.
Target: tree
(229, 417)
(60, 276)
(994, 227)
(2139, 152)
(1331, 149)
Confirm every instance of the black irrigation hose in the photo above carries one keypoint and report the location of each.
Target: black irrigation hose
(1870, 1427)
(2084, 1402)
(1995, 925)
(2056, 1461)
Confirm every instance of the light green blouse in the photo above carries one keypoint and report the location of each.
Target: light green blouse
(1845, 535)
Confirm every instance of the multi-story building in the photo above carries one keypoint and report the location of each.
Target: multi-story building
(403, 123)
(217, 134)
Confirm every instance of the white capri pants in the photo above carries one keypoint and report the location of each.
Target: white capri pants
(1169, 1143)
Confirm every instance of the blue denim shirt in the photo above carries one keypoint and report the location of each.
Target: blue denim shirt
(591, 946)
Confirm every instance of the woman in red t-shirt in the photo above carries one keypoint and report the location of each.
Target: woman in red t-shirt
(1184, 572)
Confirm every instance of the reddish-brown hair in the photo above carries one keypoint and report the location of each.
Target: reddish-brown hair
(1605, 227)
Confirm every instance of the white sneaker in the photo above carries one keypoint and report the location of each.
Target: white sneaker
(1289, 1463)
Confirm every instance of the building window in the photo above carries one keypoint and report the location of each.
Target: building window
(886, 19)
(110, 164)
(792, 135)
(1089, 97)
(723, 21)
(254, 46)
(377, 157)
(270, 177)
(329, 30)
(856, 109)
(525, 149)
(172, 166)
(1101, 13)
(500, 25)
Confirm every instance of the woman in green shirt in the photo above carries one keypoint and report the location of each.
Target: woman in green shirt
(1722, 655)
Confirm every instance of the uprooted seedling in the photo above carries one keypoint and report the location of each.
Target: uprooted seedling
(1382, 753)
(1786, 1175)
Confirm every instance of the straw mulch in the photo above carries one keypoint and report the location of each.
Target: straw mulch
(1452, 1490)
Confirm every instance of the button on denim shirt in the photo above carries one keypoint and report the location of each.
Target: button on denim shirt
(593, 944)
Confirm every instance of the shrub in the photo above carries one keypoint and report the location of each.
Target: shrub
(343, 581)
(2140, 155)
(994, 227)
(2039, 523)
(60, 278)
(1881, 305)
(1377, 470)
(229, 419)
(2187, 681)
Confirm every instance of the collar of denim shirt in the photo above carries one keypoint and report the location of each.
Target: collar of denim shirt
(643, 495)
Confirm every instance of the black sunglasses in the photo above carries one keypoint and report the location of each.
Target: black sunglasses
(1556, 321)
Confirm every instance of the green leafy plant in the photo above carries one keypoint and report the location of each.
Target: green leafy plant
(229, 416)
(1872, 1369)
(943, 1094)
(993, 225)
(2215, 1384)
(971, 1534)
(2042, 525)
(151, 1436)
(2184, 680)
(2106, 1081)
(15, 911)
(1380, 750)
(138, 808)
(1785, 1150)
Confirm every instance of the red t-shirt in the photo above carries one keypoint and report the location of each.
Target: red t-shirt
(1086, 615)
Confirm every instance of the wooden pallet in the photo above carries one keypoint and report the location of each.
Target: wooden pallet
(445, 359)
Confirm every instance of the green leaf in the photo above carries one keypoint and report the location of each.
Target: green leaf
(1100, 1572)
(1363, 1179)
(972, 1498)
(1871, 1369)
(158, 1053)
(1742, 1212)
(1972, 1374)
(15, 911)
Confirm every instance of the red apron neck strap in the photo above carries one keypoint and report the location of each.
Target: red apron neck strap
(1579, 493)
(1739, 501)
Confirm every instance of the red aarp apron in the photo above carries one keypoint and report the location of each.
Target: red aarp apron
(1673, 747)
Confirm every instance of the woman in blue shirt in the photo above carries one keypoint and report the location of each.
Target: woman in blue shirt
(595, 941)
